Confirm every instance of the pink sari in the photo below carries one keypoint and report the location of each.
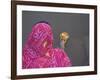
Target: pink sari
(38, 52)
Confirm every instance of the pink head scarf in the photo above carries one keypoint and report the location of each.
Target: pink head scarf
(38, 51)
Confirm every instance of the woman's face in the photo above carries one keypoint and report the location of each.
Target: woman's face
(41, 37)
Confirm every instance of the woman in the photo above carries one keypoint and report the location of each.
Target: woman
(38, 51)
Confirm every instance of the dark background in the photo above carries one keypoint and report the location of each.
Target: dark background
(77, 25)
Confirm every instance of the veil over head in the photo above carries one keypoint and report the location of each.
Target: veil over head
(38, 43)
